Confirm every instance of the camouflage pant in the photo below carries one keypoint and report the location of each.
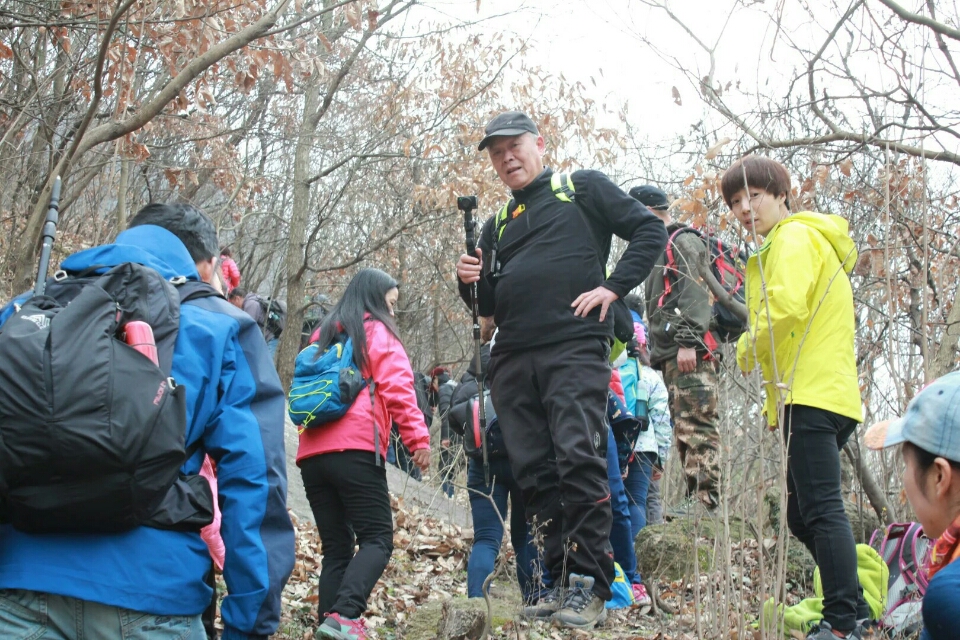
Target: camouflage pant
(693, 406)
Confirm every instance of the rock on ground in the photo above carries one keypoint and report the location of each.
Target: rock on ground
(430, 499)
(462, 619)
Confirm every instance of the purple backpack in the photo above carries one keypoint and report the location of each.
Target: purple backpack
(906, 551)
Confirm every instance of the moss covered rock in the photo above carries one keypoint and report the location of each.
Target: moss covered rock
(666, 552)
(424, 622)
(462, 619)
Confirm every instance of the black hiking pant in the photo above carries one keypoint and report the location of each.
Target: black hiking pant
(815, 512)
(551, 403)
(348, 496)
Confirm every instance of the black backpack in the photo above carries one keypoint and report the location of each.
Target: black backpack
(274, 315)
(91, 430)
(727, 263)
(465, 422)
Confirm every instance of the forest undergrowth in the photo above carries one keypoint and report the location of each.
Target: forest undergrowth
(428, 569)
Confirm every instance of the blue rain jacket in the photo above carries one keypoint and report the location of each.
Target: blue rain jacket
(235, 405)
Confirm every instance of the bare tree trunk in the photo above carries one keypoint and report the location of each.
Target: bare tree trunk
(436, 335)
(122, 194)
(85, 138)
(944, 360)
(297, 236)
(870, 486)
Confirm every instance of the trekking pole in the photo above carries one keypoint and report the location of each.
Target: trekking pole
(49, 233)
(467, 204)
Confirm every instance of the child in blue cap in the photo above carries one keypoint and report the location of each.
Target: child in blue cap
(930, 435)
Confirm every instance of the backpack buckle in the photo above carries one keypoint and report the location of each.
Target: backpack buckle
(178, 280)
(60, 276)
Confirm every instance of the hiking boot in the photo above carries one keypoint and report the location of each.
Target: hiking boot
(339, 628)
(545, 606)
(693, 507)
(686, 508)
(641, 599)
(581, 608)
(868, 628)
(823, 631)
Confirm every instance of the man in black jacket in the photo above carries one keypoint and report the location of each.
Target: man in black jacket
(550, 297)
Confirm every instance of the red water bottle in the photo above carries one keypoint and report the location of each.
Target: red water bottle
(139, 335)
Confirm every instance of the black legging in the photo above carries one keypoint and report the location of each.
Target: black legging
(815, 512)
(348, 495)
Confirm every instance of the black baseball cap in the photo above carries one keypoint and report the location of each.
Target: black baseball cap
(509, 123)
(650, 196)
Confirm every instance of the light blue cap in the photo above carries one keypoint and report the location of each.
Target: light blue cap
(931, 422)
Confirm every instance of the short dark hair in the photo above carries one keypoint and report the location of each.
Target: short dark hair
(237, 292)
(762, 173)
(225, 251)
(634, 302)
(925, 459)
(192, 226)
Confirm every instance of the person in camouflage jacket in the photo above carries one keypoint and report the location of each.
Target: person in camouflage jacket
(682, 349)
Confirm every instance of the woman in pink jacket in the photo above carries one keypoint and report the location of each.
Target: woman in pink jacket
(345, 481)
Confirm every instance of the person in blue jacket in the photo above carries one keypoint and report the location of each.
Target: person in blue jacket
(929, 437)
(149, 583)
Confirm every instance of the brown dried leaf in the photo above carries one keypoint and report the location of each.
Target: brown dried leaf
(715, 150)
(352, 13)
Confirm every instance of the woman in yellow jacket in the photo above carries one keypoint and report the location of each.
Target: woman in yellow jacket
(801, 335)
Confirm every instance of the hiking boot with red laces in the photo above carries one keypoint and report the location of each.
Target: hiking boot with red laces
(641, 599)
(339, 628)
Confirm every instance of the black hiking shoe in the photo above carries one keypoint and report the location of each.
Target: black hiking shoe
(581, 608)
(823, 631)
(545, 606)
(868, 628)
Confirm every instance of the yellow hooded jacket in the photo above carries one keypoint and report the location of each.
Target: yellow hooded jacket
(802, 320)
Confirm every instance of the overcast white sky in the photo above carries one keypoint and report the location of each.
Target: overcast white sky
(602, 42)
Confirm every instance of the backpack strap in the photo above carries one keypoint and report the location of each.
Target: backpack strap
(563, 189)
(639, 366)
(911, 562)
(503, 218)
(500, 223)
(376, 432)
(562, 185)
(670, 266)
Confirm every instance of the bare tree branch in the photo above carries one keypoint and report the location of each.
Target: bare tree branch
(916, 18)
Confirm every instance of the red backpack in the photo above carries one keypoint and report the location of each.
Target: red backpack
(727, 262)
